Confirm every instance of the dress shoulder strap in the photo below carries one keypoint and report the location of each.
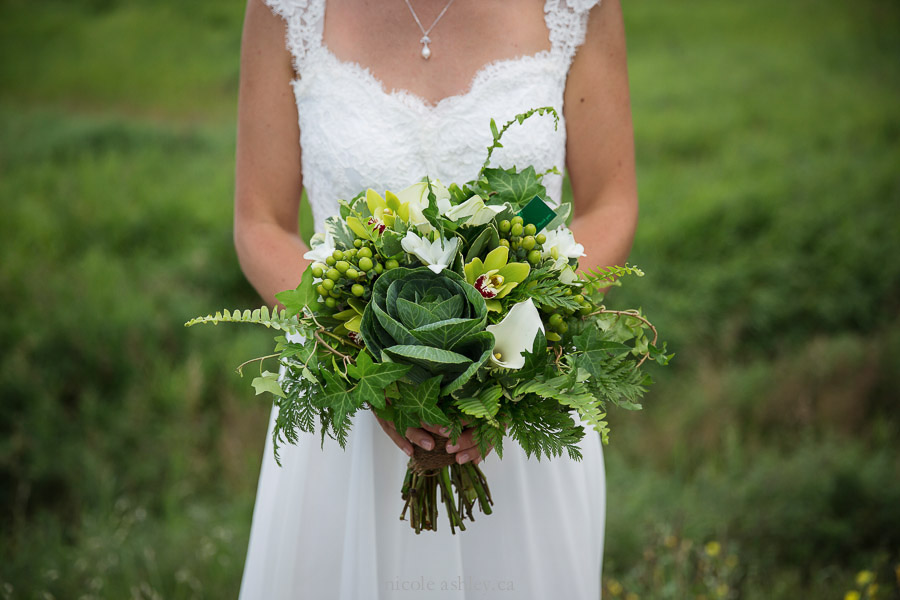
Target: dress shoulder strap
(567, 22)
(304, 21)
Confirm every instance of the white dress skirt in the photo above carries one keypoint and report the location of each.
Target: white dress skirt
(326, 523)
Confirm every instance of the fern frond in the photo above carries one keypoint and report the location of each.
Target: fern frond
(576, 396)
(601, 277)
(619, 382)
(483, 406)
(276, 319)
(550, 296)
(295, 413)
(543, 428)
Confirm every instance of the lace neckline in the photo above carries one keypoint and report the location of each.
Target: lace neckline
(414, 101)
(411, 99)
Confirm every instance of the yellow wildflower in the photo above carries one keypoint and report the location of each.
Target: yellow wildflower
(864, 578)
(614, 587)
(713, 548)
(851, 595)
(632, 596)
(872, 590)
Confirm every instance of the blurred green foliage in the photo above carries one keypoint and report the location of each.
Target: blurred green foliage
(767, 137)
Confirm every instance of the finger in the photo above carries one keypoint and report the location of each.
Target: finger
(398, 439)
(463, 442)
(466, 448)
(438, 429)
(420, 438)
(471, 454)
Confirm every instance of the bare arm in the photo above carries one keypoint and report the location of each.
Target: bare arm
(600, 147)
(268, 180)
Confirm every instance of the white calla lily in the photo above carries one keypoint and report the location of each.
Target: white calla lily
(437, 255)
(561, 243)
(515, 334)
(322, 246)
(475, 209)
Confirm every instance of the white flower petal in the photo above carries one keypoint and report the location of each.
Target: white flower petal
(322, 250)
(437, 255)
(564, 241)
(515, 334)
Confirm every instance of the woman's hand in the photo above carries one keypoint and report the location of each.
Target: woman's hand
(465, 448)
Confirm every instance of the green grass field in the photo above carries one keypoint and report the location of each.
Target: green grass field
(766, 464)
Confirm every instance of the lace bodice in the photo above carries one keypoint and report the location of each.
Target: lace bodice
(355, 134)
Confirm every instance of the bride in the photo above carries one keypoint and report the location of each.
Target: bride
(379, 94)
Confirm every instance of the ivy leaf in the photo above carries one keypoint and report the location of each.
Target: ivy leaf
(517, 188)
(305, 295)
(595, 352)
(374, 378)
(421, 401)
(536, 360)
(336, 397)
(267, 382)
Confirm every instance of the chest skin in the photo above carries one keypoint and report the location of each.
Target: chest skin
(382, 36)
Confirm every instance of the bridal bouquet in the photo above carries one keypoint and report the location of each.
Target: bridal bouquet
(458, 306)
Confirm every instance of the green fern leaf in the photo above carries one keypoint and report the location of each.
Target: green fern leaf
(261, 316)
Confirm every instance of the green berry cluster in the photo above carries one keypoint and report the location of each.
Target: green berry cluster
(349, 273)
(559, 320)
(523, 241)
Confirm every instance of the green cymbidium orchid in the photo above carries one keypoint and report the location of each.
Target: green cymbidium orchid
(382, 217)
(495, 277)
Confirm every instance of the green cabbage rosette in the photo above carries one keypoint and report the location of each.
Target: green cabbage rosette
(434, 322)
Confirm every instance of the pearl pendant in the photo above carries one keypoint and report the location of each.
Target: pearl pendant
(426, 51)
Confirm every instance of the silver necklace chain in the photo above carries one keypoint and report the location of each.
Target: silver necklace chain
(426, 51)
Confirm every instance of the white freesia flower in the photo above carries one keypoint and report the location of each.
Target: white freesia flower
(437, 255)
(561, 243)
(474, 208)
(515, 334)
(322, 246)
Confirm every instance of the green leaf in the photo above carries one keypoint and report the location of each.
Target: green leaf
(261, 316)
(336, 397)
(389, 243)
(484, 406)
(267, 382)
(305, 295)
(427, 357)
(342, 235)
(421, 401)
(515, 187)
(535, 360)
(488, 238)
(445, 334)
(374, 378)
(562, 215)
(595, 352)
(479, 344)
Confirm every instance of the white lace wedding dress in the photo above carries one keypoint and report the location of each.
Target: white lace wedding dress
(326, 523)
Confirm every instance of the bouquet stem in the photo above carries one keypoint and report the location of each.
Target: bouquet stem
(433, 476)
